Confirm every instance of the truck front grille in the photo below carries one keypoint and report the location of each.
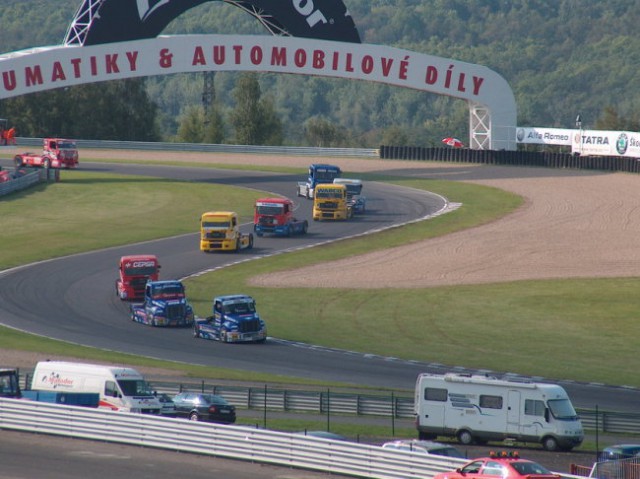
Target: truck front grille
(249, 326)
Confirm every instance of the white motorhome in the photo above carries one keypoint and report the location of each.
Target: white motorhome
(475, 408)
(120, 389)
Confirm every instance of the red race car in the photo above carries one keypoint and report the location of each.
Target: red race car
(505, 466)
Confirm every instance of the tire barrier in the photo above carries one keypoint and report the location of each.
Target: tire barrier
(511, 158)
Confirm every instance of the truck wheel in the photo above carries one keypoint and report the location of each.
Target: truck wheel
(250, 246)
(237, 247)
(46, 163)
(194, 416)
(305, 227)
(465, 438)
(17, 160)
(196, 332)
(550, 444)
(287, 232)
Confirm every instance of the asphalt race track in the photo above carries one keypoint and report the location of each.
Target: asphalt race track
(74, 298)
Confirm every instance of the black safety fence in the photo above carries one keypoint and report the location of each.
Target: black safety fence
(511, 158)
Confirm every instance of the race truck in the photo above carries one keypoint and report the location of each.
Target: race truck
(219, 231)
(330, 203)
(134, 272)
(275, 215)
(355, 199)
(165, 304)
(318, 173)
(56, 153)
(234, 320)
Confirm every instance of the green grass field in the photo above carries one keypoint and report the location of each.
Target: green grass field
(530, 327)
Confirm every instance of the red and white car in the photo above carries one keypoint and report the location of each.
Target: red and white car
(505, 466)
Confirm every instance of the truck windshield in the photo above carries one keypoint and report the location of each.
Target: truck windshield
(271, 209)
(354, 189)
(562, 409)
(328, 193)
(167, 290)
(240, 308)
(216, 224)
(147, 270)
(135, 387)
(66, 145)
(326, 175)
(8, 385)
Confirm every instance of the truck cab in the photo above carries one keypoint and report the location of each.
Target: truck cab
(330, 203)
(318, 173)
(165, 304)
(134, 271)
(357, 201)
(234, 319)
(56, 153)
(275, 216)
(220, 231)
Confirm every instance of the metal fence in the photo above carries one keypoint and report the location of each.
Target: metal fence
(234, 442)
(31, 178)
(215, 148)
(392, 405)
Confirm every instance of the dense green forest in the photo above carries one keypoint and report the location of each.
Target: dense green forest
(561, 58)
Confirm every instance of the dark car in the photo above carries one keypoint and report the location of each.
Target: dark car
(168, 407)
(620, 451)
(424, 447)
(204, 407)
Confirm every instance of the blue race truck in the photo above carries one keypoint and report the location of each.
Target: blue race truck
(319, 173)
(165, 304)
(234, 320)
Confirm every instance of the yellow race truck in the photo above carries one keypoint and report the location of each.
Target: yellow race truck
(330, 203)
(220, 231)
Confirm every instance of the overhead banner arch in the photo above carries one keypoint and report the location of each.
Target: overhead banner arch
(492, 103)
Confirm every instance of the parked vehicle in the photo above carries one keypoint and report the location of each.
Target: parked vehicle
(330, 203)
(503, 466)
(119, 388)
(620, 451)
(355, 199)
(168, 406)
(204, 407)
(483, 408)
(234, 320)
(424, 447)
(9, 383)
(275, 216)
(165, 304)
(318, 173)
(56, 153)
(332, 436)
(134, 271)
(220, 231)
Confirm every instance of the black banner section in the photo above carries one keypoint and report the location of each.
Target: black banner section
(124, 20)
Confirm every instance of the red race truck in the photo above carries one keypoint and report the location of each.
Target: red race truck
(134, 272)
(275, 215)
(56, 153)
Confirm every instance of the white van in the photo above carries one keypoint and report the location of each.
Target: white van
(483, 408)
(120, 389)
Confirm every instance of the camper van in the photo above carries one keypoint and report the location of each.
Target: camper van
(120, 389)
(478, 409)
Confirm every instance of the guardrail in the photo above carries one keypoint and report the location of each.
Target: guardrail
(233, 442)
(30, 179)
(213, 148)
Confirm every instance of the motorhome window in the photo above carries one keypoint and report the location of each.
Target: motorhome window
(435, 394)
(135, 387)
(562, 409)
(491, 402)
(533, 407)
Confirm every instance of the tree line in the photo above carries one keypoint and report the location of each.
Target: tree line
(561, 58)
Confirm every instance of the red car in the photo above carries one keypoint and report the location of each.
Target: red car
(505, 466)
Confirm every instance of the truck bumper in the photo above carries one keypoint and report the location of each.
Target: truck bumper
(217, 245)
